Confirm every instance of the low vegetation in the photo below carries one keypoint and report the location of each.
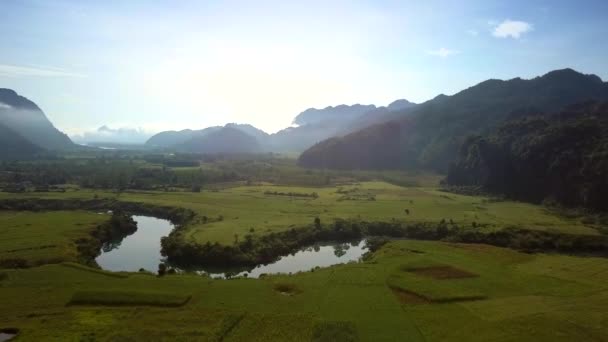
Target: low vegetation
(402, 288)
(525, 296)
(127, 298)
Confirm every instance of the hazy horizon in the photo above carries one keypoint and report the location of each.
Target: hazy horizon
(159, 65)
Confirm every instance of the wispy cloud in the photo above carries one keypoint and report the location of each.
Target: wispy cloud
(8, 70)
(4, 106)
(442, 52)
(511, 28)
(473, 33)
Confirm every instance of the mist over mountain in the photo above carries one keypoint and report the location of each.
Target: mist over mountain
(25, 118)
(15, 146)
(123, 135)
(431, 133)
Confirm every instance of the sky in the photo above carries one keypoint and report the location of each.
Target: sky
(160, 65)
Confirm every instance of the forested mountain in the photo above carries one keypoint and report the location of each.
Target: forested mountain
(171, 138)
(224, 140)
(430, 135)
(317, 125)
(563, 157)
(14, 146)
(26, 119)
(258, 134)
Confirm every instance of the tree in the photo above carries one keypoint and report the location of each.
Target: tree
(162, 269)
(317, 223)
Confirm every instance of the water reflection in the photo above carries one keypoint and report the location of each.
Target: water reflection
(139, 250)
(320, 255)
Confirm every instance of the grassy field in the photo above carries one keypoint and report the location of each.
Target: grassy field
(44, 237)
(410, 290)
(244, 207)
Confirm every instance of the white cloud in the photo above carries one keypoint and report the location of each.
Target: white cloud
(473, 33)
(442, 52)
(125, 135)
(35, 71)
(511, 28)
(4, 106)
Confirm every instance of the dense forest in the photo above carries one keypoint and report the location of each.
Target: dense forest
(561, 157)
(428, 136)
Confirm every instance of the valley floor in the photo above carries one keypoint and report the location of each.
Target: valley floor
(408, 290)
(411, 290)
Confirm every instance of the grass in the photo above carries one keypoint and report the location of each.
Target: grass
(95, 270)
(244, 207)
(527, 297)
(334, 331)
(44, 237)
(127, 298)
(408, 290)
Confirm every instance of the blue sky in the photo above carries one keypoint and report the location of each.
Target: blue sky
(189, 64)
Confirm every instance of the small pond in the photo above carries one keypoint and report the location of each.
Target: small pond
(139, 250)
(142, 250)
(319, 255)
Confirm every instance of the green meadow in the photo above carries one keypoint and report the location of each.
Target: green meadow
(238, 209)
(45, 237)
(498, 294)
(407, 290)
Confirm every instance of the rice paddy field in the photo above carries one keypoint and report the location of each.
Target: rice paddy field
(406, 291)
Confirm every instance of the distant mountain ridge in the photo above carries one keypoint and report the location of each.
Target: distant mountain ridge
(341, 112)
(226, 140)
(430, 135)
(314, 125)
(25, 118)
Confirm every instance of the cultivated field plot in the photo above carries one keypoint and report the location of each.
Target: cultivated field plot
(505, 295)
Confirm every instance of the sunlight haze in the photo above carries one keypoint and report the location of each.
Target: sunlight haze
(159, 65)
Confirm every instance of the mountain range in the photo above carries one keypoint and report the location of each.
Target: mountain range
(429, 135)
(400, 135)
(558, 157)
(312, 126)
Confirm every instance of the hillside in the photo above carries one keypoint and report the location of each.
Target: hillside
(313, 125)
(171, 138)
(226, 140)
(14, 146)
(562, 157)
(429, 137)
(341, 112)
(27, 119)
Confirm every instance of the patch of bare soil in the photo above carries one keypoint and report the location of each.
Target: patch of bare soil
(286, 289)
(408, 297)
